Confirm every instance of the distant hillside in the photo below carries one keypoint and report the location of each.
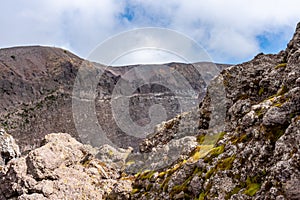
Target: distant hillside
(36, 85)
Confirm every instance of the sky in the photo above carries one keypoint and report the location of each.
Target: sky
(230, 31)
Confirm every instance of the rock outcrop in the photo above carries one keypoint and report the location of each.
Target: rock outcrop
(62, 168)
(8, 148)
(241, 143)
(256, 155)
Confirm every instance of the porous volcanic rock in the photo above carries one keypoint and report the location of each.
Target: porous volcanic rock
(62, 168)
(8, 147)
(256, 154)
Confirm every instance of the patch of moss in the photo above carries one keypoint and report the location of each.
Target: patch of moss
(187, 196)
(173, 169)
(244, 138)
(135, 190)
(130, 162)
(86, 163)
(197, 171)
(200, 138)
(196, 156)
(260, 112)
(210, 139)
(253, 185)
(147, 175)
(162, 174)
(278, 105)
(240, 139)
(214, 152)
(261, 91)
(149, 186)
(282, 90)
(164, 185)
(110, 153)
(137, 174)
(252, 189)
(210, 173)
(281, 65)
(183, 187)
(226, 163)
(200, 152)
(292, 115)
(201, 196)
(217, 151)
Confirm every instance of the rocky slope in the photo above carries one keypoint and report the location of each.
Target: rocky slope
(62, 168)
(241, 143)
(36, 87)
(255, 156)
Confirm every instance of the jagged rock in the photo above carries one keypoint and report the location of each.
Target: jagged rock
(121, 191)
(252, 154)
(59, 149)
(32, 197)
(182, 125)
(162, 156)
(62, 168)
(115, 157)
(257, 156)
(8, 147)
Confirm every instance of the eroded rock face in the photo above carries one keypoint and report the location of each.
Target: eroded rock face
(62, 168)
(257, 154)
(253, 153)
(8, 147)
(36, 84)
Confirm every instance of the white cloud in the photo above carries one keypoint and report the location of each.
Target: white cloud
(77, 24)
(227, 29)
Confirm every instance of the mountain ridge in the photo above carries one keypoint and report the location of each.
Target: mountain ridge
(249, 151)
(37, 89)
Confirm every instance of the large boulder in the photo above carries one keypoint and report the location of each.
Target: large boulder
(62, 168)
(8, 147)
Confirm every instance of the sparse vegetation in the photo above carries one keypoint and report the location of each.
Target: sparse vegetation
(281, 65)
(282, 90)
(275, 132)
(226, 163)
(252, 186)
(260, 112)
(261, 91)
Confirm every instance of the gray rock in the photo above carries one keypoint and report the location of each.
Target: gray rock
(258, 156)
(8, 148)
(115, 157)
(162, 156)
(274, 117)
(62, 168)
